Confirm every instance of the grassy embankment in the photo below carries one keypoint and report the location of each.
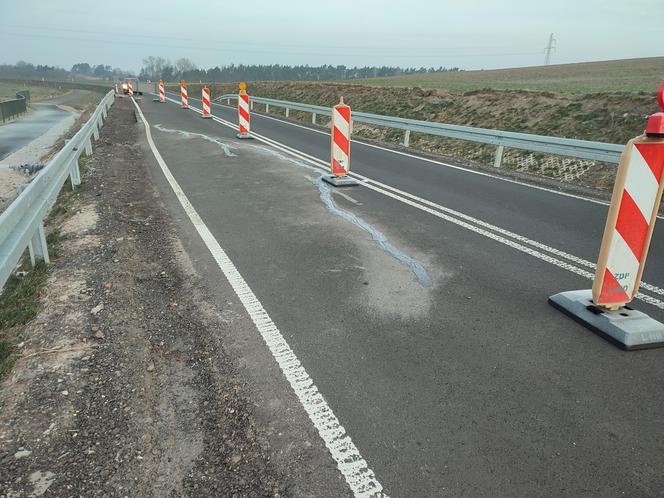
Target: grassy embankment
(37, 92)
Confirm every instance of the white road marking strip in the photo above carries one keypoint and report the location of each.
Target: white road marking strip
(347, 197)
(354, 468)
(423, 204)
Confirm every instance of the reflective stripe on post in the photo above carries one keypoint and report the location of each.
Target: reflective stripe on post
(340, 139)
(184, 99)
(636, 198)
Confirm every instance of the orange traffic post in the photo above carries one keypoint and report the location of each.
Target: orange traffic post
(635, 202)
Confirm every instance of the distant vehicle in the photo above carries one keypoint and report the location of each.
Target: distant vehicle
(138, 86)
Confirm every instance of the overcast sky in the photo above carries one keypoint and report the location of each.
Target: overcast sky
(471, 34)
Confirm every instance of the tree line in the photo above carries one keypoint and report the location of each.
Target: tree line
(26, 70)
(156, 68)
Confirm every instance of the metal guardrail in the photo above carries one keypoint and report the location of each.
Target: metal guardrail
(597, 151)
(12, 108)
(22, 223)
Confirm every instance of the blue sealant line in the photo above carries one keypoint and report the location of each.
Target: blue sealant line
(416, 267)
(420, 272)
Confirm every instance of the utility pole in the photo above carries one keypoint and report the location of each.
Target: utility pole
(549, 48)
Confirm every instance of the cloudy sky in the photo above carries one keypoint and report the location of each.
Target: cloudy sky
(471, 34)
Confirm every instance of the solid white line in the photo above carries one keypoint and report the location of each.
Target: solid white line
(452, 216)
(354, 468)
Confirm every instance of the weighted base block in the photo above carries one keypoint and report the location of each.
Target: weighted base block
(244, 136)
(207, 117)
(626, 328)
(155, 100)
(339, 181)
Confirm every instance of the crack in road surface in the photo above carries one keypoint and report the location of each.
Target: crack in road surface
(189, 134)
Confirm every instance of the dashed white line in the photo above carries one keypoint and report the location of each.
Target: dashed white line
(352, 466)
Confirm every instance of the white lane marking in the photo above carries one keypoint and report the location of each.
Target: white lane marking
(347, 197)
(409, 199)
(354, 468)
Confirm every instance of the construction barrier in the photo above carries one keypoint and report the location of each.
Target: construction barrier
(636, 199)
(206, 103)
(130, 88)
(340, 146)
(162, 92)
(184, 99)
(243, 112)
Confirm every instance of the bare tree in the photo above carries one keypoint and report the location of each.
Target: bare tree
(183, 65)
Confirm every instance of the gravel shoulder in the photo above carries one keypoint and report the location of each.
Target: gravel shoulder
(123, 387)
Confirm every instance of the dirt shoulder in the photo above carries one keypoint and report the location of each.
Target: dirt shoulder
(122, 387)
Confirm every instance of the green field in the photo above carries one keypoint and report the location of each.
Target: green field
(626, 75)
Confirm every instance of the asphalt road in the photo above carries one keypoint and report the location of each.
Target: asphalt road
(43, 117)
(470, 386)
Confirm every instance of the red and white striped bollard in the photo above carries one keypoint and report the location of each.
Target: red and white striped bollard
(340, 146)
(162, 92)
(635, 202)
(206, 103)
(184, 99)
(243, 114)
(130, 88)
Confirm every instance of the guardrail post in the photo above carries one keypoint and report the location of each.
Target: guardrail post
(88, 147)
(228, 101)
(74, 173)
(38, 247)
(406, 138)
(104, 112)
(313, 117)
(251, 105)
(498, 160)
(267, 108)
(287, 112)
(95, 130)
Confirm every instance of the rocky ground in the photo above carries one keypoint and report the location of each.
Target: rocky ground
(122, 387)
